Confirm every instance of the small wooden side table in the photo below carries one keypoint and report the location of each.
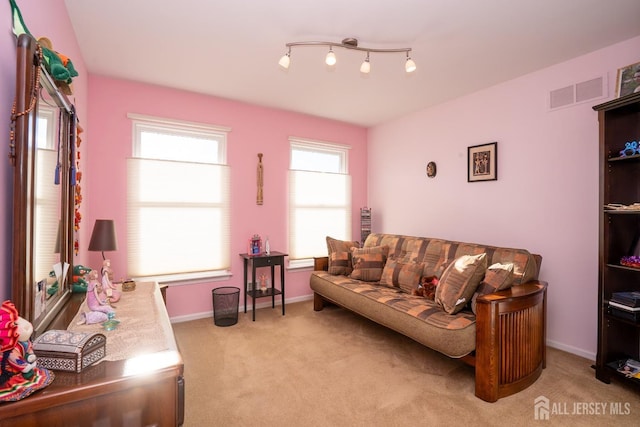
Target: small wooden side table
(263, 260)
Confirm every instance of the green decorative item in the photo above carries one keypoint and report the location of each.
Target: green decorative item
(79, 283)
(58, 65)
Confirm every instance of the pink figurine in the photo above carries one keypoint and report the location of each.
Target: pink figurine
(108, 287)
(97, 300)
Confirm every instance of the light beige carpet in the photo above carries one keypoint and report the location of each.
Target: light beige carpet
(334, 368)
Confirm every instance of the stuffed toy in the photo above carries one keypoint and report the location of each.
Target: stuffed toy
(79, 284)
(59, 66)
(427, 287)
(19, 373)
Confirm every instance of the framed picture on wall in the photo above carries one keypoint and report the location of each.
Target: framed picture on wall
(482, 162)
(628, 80)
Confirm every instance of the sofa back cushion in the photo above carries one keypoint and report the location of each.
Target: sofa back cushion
(368, 263)
(400, 274)
(437, 254)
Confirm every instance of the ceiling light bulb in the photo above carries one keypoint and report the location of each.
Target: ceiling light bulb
(365, 68)
(331, 58)
(285, 61)
(410, 66)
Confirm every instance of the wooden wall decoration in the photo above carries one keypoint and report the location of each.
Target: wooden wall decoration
(259, 199)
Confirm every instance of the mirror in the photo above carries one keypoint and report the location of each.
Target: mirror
(42, 154)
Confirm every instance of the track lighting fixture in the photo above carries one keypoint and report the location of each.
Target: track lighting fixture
(348, 43)
(365, 68)
(409, 66)
(285, 60)
(330, 60)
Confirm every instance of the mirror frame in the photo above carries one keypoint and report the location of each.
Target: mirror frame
(31, 76)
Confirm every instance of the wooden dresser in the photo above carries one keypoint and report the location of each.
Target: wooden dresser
(143, 390)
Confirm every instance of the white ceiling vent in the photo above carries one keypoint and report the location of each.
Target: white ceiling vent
(577, 93)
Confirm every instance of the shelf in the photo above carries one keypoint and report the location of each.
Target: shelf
(618, 333)
(612, 367)
(623, 267)
(622, 211)
(635, 157)
(260, 294)
(621, 319)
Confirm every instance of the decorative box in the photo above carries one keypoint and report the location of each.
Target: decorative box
(69, 351)
(128, 286)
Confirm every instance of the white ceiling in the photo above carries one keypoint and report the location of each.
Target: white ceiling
(231, 48)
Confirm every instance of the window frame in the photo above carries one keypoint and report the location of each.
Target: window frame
(342, 150)
(141, 123)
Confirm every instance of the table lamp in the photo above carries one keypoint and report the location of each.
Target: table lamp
(103, 237)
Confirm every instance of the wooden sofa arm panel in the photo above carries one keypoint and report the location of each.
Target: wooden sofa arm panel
(321, 263)
(510, 339)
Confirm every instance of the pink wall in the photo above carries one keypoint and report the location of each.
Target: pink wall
(43, 18)
(254, 129)
(546, 196)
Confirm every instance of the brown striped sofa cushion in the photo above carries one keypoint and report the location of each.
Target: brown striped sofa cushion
(368, 263)
(402, 273)
(340, 255)
(437, 254)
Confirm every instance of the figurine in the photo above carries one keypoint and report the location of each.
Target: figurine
(97, 300)
(19, 374)
(22, 359)
(107, 286)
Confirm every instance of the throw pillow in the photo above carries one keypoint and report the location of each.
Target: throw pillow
(340, 256)
(401, 274)
(459, 281)
(498, 277)
(368, 263)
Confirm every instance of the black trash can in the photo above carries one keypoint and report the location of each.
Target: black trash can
(226, 300)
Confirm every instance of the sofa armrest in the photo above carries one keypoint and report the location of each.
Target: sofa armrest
(321, 263)
(510, 339)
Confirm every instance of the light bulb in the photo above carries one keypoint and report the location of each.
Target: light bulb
(410, 66)
(331, 58)
(285, 61)
(365, 68)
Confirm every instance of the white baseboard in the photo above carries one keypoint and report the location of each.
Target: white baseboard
(573, 350)
(209, 314)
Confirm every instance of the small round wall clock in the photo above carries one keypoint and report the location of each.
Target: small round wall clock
(431, 169)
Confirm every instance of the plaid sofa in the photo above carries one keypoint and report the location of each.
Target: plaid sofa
(414, 316)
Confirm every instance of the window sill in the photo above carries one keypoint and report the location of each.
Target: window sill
(303, 264)
(187, 278)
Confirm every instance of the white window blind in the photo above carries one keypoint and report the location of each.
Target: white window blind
(178, 220)
(319, 197)
(48, 212)
(178, 217)
(320, 206)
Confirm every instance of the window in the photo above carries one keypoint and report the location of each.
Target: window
(178, 200)
(47, 192)
(319, 198)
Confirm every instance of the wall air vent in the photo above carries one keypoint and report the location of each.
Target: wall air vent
(577, 93)
(561, 97)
